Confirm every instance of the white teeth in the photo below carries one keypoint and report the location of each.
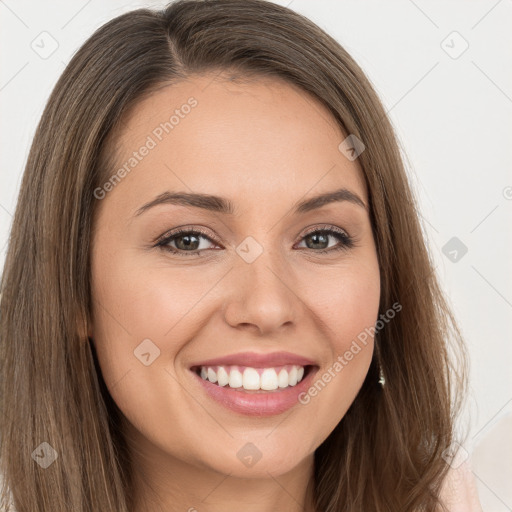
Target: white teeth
(235, 379)
(292, 376)
(252, 379)
(282, 379)
(212, 376)
(222, 376)
(269, 379)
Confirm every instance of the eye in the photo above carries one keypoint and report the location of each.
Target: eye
(319, 239)
(187, 242)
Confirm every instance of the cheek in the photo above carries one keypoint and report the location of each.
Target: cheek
(143, 315)
(346, 301)
(137, 298)
(347, 308)
(139, 328)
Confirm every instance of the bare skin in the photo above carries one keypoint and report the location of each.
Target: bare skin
(265, 146)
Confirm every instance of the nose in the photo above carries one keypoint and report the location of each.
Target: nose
(263, 297)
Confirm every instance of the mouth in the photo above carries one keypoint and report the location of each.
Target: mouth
(255, 391)
(255, 384)
(272, 379)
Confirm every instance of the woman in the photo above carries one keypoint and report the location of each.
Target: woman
(172, 335)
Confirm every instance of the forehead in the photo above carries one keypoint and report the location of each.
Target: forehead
(253, 138)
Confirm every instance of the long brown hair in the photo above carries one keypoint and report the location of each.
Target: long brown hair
(386, 453)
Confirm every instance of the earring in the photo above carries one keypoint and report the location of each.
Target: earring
(382, 380)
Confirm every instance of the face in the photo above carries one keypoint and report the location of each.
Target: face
(254, 283)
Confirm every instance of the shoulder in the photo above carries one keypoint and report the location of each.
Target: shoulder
(458, 492)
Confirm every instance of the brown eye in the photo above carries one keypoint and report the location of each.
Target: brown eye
(318, 240)
(186, 242)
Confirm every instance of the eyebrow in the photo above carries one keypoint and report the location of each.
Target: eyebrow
(221, 205)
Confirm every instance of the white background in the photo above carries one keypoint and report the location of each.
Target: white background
(452, 116)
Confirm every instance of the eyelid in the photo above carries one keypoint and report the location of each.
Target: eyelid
(186, 228)
(323, 227)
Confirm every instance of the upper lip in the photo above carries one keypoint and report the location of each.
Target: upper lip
(257, 360)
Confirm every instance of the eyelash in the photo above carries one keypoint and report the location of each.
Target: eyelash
(347, 242)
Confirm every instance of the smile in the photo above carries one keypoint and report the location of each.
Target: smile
(253, 379)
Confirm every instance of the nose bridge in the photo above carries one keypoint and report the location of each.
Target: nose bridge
(264, 297)
(261, 262)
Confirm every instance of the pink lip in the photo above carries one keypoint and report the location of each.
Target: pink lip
(255, 360)
(264, 403)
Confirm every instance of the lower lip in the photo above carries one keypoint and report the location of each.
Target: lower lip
(257, 404)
